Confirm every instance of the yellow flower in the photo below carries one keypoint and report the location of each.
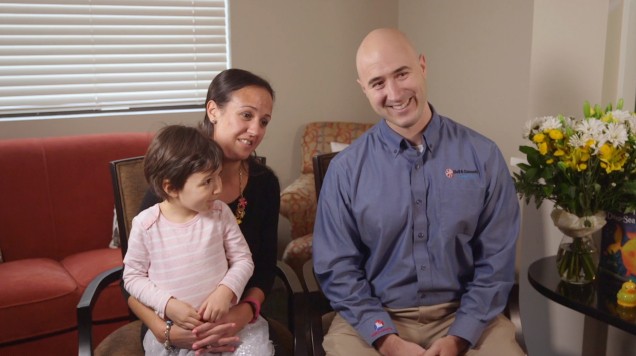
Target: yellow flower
(612, 159)
(582, 165)
(555, 134)
(606, 151)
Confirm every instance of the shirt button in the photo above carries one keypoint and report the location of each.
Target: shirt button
(418, 202)
(417, 166)
(420, 235)
(422, 268)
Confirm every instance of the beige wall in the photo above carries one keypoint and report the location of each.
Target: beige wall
(478, 61)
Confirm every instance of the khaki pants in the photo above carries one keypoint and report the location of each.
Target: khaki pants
(423, 325)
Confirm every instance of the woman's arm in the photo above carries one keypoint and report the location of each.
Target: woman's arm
(216, 333)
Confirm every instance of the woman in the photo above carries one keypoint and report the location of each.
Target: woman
(238, 109)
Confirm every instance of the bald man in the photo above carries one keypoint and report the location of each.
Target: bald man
(414, 241)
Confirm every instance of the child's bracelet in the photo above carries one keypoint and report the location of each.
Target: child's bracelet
(167, 344)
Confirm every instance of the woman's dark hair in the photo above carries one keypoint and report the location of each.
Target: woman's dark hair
(175, 153)
(227, 82)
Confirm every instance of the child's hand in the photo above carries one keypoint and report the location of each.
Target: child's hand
(182, 314)
(217, 304)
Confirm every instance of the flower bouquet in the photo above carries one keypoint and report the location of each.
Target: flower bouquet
(586, 167)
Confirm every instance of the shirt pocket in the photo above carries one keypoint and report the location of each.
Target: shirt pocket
(459, 204)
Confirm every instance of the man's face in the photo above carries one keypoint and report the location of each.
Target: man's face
(394, 80)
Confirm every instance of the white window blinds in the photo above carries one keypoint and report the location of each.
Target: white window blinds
(101, 55)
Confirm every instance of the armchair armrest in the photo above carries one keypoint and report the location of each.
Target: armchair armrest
(85, 307)
(297, 307)
(298, 205)
(320, 314)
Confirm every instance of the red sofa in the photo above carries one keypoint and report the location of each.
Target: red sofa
(56, 219)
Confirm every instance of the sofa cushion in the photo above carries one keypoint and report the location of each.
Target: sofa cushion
(67, 185)
(38, 296)
(85, 266)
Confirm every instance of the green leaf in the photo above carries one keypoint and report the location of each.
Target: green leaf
(531, 174)
(586, 109)
(619, 104)
(598, 111)
(523, 166)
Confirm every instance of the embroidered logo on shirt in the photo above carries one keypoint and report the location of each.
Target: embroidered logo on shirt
(380, 328)
(461, 173)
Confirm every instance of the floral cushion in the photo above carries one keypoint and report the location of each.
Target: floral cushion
(318, 136)
(297, 252)
(298, 205)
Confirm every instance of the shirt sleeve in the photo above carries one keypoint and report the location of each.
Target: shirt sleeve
(237, 253)
(135, 277)
(266, 232)
(338, 260)
(494, 254)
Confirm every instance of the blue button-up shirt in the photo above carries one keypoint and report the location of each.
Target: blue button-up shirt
(401, 228)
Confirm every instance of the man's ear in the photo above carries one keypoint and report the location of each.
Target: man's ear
(364, 89)
(422, 63)
(169, 189)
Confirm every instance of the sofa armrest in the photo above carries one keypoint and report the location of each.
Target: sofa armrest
(85, 307)
(298, 205)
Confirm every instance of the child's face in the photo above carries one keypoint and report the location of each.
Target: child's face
(200, 191)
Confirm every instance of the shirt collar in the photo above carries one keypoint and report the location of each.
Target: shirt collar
(397, 143)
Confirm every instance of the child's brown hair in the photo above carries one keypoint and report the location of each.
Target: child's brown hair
(175, 153)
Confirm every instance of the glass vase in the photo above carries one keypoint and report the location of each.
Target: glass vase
(577, 259)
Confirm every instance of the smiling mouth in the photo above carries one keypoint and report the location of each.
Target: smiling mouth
(245, 141)
(401, 106)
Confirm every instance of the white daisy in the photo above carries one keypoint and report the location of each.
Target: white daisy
(616, 134)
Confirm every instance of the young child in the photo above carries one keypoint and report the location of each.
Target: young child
(188, 252)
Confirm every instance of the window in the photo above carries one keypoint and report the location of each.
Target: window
(78, 56)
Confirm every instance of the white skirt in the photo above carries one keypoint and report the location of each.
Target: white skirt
(254, 341)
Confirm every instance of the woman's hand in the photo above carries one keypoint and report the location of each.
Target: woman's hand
(221, 336)
(182, 338)
(215, 337)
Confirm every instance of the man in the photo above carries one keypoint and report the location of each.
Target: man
(414, 243)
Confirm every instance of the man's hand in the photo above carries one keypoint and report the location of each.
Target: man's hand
(393, 345)
(217, 304)
(182, 314)
(449, 345)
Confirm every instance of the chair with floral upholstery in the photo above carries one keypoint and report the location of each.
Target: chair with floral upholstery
(298, 200)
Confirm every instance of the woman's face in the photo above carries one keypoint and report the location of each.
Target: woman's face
(242, 122)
